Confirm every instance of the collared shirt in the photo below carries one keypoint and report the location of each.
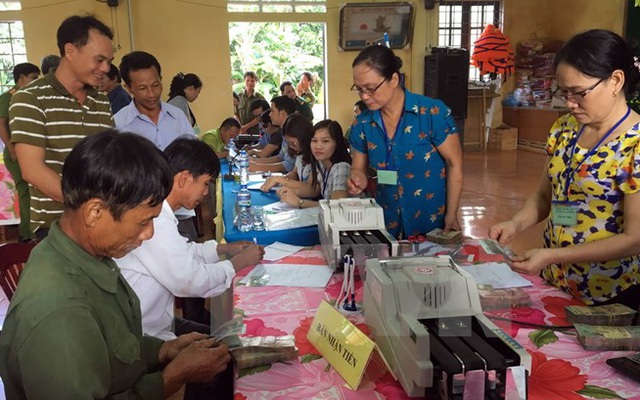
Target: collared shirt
(172, 123)
(309, 97)
(244, 109)
(336, 178)
(119, 98)
(73, 330)
(166, 266)
(303, 170)
(213, 138)
(45, 114)
(417, 204)
(5, 99)
(288, 161)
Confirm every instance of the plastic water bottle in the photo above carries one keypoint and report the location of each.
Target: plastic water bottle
(243, 165)
(244, 218)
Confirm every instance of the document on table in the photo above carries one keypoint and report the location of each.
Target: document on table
(257, 186)
(291, 275)
(277, 207)
(277, 251)
(498, 275)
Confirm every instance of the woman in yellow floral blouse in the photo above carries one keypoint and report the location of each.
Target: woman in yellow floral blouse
(589, 191)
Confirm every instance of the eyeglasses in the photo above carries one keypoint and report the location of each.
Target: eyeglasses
(577, 97)
(360, 91)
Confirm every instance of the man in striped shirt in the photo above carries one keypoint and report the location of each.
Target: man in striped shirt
(50, 115)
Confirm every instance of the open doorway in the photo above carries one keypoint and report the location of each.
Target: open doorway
(278, 52)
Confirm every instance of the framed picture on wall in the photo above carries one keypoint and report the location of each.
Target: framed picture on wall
(364, 24)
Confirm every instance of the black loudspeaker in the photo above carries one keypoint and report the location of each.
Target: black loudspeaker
(429, 4)
(446, 77)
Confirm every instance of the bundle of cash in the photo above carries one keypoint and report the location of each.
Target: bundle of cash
(610, 314)
(438, 236)
(594, 337)
(234, 326)
(493, 299)
(262, 350)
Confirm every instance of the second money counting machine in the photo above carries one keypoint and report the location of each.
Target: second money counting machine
(425, 315)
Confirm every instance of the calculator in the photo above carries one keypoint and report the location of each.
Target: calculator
(628, 366)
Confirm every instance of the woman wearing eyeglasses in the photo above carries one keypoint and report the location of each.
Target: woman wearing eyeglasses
(589, 191)
(411, 142)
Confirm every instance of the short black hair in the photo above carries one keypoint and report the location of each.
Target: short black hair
(259, 103)
(189, 154)
(284, 85)
(230, 123)
(24, 69)
(135, 61)
(48, 62)
(122, 169)
(284, 103)
(75, 30)
(265, 117)
(236, 96)
(251, 74)
(114, 73)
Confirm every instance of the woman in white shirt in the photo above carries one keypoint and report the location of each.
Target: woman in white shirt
(330, 167)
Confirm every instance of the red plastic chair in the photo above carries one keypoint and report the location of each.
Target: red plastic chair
(12, 259)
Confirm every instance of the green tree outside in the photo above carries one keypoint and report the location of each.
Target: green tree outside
(277, 52)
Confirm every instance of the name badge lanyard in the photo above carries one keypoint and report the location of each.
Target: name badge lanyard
(391, 160)
(565, 213)
(571, 172)
(325, 181)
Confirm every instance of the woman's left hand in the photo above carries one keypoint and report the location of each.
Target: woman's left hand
(532, 262)
(451, 223)
(288, 196)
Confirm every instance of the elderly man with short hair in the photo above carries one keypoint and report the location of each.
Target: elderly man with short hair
(73, 329)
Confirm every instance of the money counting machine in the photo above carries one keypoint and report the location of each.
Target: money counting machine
(426, 317)
(355, 227)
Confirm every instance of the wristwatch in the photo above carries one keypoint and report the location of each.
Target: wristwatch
(300, 203)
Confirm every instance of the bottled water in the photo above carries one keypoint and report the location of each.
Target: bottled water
(244, 218)
(243, 165)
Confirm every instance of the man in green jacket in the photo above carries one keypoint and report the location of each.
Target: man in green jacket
(73, 329)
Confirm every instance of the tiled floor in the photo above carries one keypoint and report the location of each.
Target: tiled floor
(496, 185)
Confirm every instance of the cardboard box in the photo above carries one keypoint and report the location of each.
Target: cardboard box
(503, 137)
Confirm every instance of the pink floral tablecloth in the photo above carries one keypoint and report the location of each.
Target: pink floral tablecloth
(561, 368)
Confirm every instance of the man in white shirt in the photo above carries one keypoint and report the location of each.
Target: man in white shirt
(167, 265)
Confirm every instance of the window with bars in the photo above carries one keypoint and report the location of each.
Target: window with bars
(277, 6)
(462, 22)
(12, 51)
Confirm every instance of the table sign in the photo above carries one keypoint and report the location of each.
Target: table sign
(342, 344)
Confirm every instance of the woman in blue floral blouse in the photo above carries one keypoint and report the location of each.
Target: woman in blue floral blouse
(411, 142)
